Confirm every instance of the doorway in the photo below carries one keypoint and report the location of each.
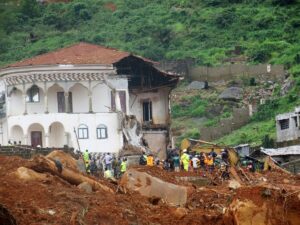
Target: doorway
(36, 138)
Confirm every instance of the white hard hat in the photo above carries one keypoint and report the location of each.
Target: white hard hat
(184, 150)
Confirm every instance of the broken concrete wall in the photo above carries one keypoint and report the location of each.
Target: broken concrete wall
(157, 141)
(160, 105)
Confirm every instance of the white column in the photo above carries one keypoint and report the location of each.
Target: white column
(25, 104)
(67, 110)
(46, 97)
(24, 99)
(7, 106)
(47, 140)
(46, 103)
(90, 98)
(66, 138)
(25, 137)
(90, 103)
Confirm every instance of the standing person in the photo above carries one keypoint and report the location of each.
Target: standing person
(143, 159)
(202, 161)
(108, 160)
(123, 166)
(185, 159)
(86, 156)
(213, 154)
(114, 165)
(99, 166)
(93, 167)
(195, 161)
(225, 156)
(176, 162)
(210, 163)
(150, 160)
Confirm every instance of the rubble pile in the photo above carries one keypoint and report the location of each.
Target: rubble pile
(32, 193)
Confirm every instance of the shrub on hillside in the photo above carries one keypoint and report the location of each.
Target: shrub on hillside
(266, 111)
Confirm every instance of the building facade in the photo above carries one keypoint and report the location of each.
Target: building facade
(78, 96)
(287, 126)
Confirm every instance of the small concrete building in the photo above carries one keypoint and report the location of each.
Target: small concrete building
(287, 126)
(79, 96)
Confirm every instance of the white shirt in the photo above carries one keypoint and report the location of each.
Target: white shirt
(195, 162)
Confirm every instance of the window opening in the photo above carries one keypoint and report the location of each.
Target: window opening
(284, 124)
(33, 94)
(101, 132)
(83, 132)
(147, 111)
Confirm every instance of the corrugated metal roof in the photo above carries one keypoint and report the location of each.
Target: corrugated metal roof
(290, 150)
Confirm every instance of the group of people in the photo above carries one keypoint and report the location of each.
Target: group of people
(107, 164)
(202, 162)
(110, 166)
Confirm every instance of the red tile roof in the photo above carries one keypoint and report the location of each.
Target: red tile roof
(81, 53)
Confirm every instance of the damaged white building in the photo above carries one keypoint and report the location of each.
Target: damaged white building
(79, 96)
(287, 126)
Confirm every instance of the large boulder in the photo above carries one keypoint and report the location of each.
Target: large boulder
(85, 186)
(232, 93)
(29, 175)
(196, 85)
(150, 186)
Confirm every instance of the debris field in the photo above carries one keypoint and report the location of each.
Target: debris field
(32, 192)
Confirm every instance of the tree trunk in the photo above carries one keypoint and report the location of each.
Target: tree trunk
(42, 164)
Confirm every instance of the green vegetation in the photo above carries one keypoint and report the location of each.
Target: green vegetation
(189, 107)
(205, 30)
(263, 121)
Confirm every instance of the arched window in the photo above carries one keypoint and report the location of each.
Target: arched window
(83, 131)
(33, 94)
(101, 131)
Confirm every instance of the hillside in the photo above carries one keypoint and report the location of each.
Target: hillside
(194, 109)
(206, 31)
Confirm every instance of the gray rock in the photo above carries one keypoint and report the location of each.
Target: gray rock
(81, 166)
(232, 93)
(288, 85)
(86, 187)
(196, 85)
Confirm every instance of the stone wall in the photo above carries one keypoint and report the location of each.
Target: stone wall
(239, 118)
(229, 72)
(28, 152)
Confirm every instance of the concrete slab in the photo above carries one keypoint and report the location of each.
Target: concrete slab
(150, 186)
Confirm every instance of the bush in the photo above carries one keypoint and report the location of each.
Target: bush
(292, 98)
(225, 18)
(268, 142)
(283, 2)
(30, 8)
(252, 81)
(266, 111)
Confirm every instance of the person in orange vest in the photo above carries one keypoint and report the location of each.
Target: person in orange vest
(210, 163)
(150, 160)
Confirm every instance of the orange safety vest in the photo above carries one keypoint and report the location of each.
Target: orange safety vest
(210, 161)
(150, 161)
